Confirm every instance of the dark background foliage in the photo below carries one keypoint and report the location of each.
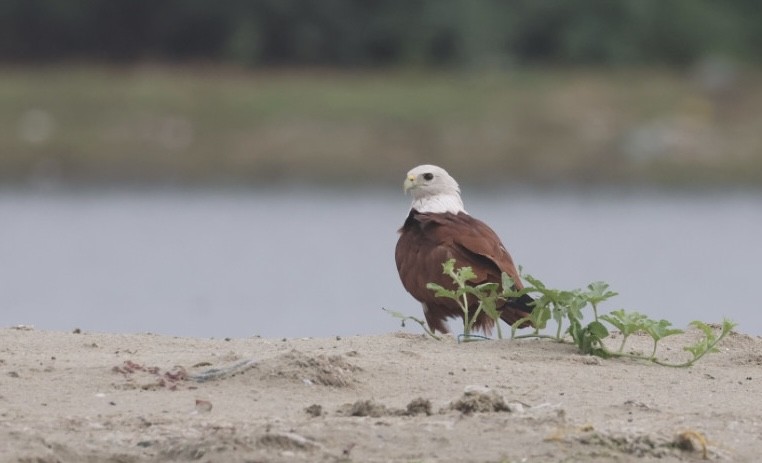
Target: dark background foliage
(381, 33)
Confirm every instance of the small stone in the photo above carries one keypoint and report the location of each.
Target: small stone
(476, 389)
(516, 407)
(203, 406)
(314, 410)
(691, 441)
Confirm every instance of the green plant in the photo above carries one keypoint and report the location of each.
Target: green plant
(627, 323)
(404, 318)
(567, 307)
(485, 293)
(596, 293)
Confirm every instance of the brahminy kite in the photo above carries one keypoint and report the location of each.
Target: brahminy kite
(437, 229)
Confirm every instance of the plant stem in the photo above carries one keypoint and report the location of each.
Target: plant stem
(423, 324)
(515, 325)
(558, 331)
(538, 336)
(466, 321)
(621, 346)
(696, 357)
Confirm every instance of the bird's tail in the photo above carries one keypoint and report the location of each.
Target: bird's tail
(516, 309)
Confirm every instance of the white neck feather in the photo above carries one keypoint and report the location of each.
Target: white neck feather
(439, 203)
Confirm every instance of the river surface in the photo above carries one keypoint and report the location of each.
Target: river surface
(297, 262)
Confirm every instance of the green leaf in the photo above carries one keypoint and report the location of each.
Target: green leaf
(448, 266)
(588, 338)
(507, 282)
(598, 330)
(708, 332)
(534, 282)
(466, 274)
(459, 276)
(708, 343)
(575, 331)
(575, 305)
(487, 287)
(598, 292)
(661, 329)
(540, 313)
(440, 291)
(626, 322)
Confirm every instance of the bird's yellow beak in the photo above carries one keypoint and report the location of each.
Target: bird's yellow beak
(409, 183)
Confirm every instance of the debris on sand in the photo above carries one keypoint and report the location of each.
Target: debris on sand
(365, 408)
(287, 441)
(169, 379)
(418, 406)
(477, 401)
(322, 370)
(646, 445)
(214, 374)
(314, 410)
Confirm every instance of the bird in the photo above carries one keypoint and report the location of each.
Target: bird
(437, 229)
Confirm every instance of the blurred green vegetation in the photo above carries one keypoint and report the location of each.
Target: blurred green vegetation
(195, 91)
(202, 124)
(454, 33)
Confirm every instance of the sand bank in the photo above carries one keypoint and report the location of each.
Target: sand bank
(74, 397)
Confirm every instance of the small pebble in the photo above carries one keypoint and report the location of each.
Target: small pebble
(203, 406)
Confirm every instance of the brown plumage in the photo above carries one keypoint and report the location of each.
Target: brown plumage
(438, 229)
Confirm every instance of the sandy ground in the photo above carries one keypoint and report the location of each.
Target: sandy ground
(93, 397)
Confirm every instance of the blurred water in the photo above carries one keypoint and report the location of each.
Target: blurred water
(319, 263)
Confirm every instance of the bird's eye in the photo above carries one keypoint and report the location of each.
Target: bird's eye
(428, 176)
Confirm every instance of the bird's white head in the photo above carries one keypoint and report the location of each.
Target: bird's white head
(433, 190)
